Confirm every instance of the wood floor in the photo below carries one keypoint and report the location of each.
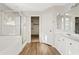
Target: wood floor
(35, 38)
(37, 48)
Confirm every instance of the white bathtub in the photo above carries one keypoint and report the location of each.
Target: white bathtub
(10, 45)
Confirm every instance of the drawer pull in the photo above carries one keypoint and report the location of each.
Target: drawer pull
(70, 43)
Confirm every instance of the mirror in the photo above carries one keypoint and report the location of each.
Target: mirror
(64, 23)
(69, 21)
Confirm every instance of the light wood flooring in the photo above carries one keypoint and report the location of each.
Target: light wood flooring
(37, 48)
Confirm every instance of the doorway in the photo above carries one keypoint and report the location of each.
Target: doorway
(77, 25)
(35, 29)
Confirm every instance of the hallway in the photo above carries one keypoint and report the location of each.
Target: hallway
(39, 29)
(37, 48)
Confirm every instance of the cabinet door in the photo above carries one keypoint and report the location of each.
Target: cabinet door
(57, 41)
(67, 45)
(74, 47)
(61, 44)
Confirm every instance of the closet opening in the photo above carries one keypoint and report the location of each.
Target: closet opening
(34, 28)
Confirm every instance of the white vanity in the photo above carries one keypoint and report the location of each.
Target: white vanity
(66, 35)
(66, 43)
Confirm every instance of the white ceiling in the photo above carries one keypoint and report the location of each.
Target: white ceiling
(4, 7)
(74, 11)
(31, 6)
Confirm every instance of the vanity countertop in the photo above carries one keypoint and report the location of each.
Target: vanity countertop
(68, 35)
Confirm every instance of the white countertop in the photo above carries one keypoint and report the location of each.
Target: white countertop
(68, 35)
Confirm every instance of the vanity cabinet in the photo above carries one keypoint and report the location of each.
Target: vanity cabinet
(73, 47)
(67, 34)
(66, 46)
(60, 44)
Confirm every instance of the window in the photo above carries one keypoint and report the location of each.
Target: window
(9, 25)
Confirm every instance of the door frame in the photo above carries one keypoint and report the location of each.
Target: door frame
(39, 24)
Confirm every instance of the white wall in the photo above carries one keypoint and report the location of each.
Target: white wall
(10, 45)
(48, 24)
(25, 28)
(27, 25)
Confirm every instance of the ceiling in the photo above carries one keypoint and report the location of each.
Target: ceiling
(31, 6)
(4, 7)
(74, 11)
